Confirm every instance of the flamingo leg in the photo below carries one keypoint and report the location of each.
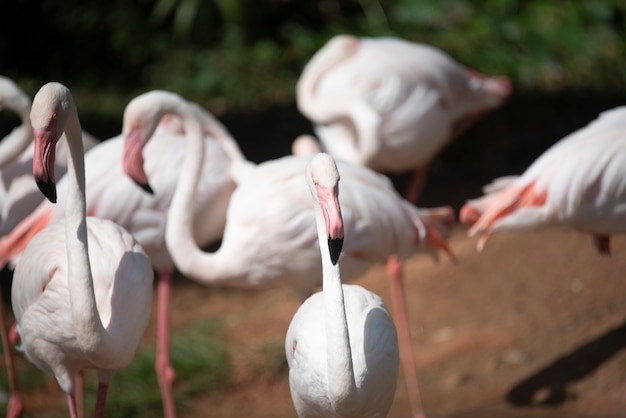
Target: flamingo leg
(15, 407)
(101, 399)
(416, 184)
(164, 369)
(79, 398)
(394, 270)
(71, 404)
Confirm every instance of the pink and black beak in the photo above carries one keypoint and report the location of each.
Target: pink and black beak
(132, 161)
(44, 158)
(329, 201)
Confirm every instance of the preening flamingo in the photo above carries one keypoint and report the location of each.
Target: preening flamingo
(391, 104)
(579, 182)
(271, 223)
(112, 195)
(82, 290)
(341, 345)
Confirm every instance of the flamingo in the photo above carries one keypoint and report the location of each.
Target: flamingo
(82, 291)
(391, 104)
(112, 195)
(341, 345)
(19, 195)
(270, 224)
(579, 182)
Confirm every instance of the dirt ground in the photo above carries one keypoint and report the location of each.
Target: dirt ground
(533, 326)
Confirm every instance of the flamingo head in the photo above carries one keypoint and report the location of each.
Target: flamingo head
(324, 178)
(49, 114)
(141, 119)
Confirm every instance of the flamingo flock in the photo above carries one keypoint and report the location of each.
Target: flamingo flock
(102, 217)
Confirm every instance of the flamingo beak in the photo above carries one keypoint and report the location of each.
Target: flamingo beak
(43, 160)
(329, 201)
(132, 160)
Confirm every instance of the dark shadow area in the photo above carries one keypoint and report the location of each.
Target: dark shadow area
(574, 366)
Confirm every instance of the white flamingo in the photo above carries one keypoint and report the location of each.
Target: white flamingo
(341, 345)
(83, 288)
(112, 195)
(19, 196)
(391, 104)
(579, 182)
(270, 223)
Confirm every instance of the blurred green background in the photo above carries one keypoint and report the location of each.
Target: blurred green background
(247, 54)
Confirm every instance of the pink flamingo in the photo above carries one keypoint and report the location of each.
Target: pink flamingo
(270, 223)
(19, 195)
(341, 345)
(391, 104)
(578, 182)
(112, 195)
(83, 288)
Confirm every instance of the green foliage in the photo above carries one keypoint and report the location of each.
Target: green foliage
(199, 355)
(249, 53)
(200, 358)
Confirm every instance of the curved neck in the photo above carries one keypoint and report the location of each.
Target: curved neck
(204, 267)
(89, 330)
(240, 166)
(20, 138)
(366, 120)
(333, 53)
(341, 381)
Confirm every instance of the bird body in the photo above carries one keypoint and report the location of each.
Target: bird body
(391, 104)
(41, 297)
(260, 241)
(307, 355)
(82, 293)
(579, 182)
(341, 345)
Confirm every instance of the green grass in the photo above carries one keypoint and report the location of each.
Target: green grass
(199, 355)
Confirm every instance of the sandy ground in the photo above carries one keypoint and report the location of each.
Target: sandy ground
(534, 326)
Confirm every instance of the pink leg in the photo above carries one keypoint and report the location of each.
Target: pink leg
(15, 407)
(416, 184)
(394, 269)
(164, 369)
(14, 337)
(101, 399)
(71, 404)
(79, 398)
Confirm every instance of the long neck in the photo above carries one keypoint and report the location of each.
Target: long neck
(19, 139)
(209, 268)
(240, 166)
(89, 330)
(367, 122)
(323, 111)
(341, 382)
